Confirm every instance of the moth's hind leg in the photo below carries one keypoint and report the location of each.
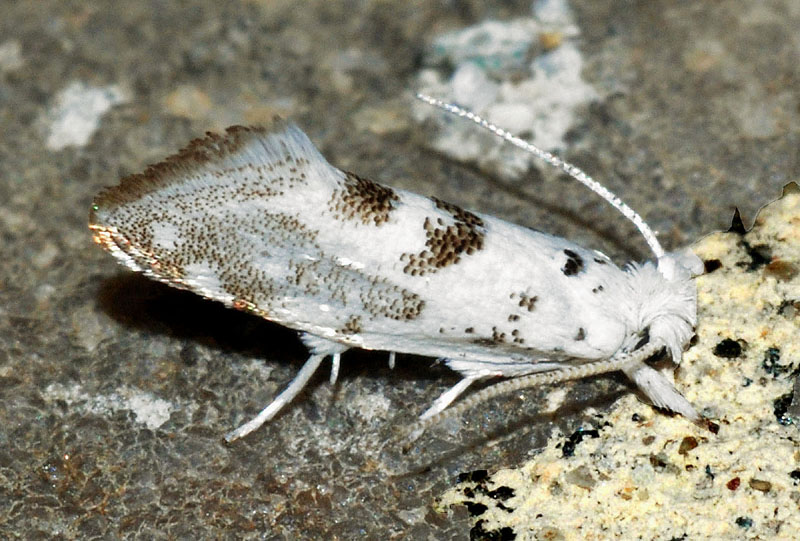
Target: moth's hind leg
(475, 371)
(325, 347)
(446, 398)
(319, 348)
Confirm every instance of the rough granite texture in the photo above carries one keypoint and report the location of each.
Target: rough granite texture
(115, 391)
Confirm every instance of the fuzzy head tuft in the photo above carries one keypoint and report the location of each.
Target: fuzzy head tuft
(667, 300)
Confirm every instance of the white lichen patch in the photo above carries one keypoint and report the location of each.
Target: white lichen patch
(645, 475)
(76, 111)
(523, 74)
(148, 409)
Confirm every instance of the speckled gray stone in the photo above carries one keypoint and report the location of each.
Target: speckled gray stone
(699, 115)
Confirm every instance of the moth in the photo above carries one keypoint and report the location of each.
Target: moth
(257, 219)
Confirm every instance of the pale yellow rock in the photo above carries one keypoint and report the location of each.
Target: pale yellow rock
(645, 479)
(188, 101)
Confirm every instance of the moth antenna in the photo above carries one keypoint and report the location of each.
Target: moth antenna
(551, 377)
(573, 171)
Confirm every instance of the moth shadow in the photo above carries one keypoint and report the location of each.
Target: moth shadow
(137, 302)
(155, 308)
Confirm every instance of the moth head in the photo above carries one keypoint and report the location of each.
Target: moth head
(666, 298)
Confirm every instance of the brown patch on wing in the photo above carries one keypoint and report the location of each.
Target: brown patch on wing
(446, 244)
(363, 200)
(574, 264)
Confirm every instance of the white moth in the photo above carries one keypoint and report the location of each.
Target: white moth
(258, 220)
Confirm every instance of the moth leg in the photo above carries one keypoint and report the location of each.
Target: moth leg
(448, 396)
(660, 390)
(281, 400)
(335, 361)
(392, 356)
(320, 348)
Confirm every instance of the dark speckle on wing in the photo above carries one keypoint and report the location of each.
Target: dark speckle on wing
(526, 301)
(353, 326)
(574, 263)
(386, 300)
